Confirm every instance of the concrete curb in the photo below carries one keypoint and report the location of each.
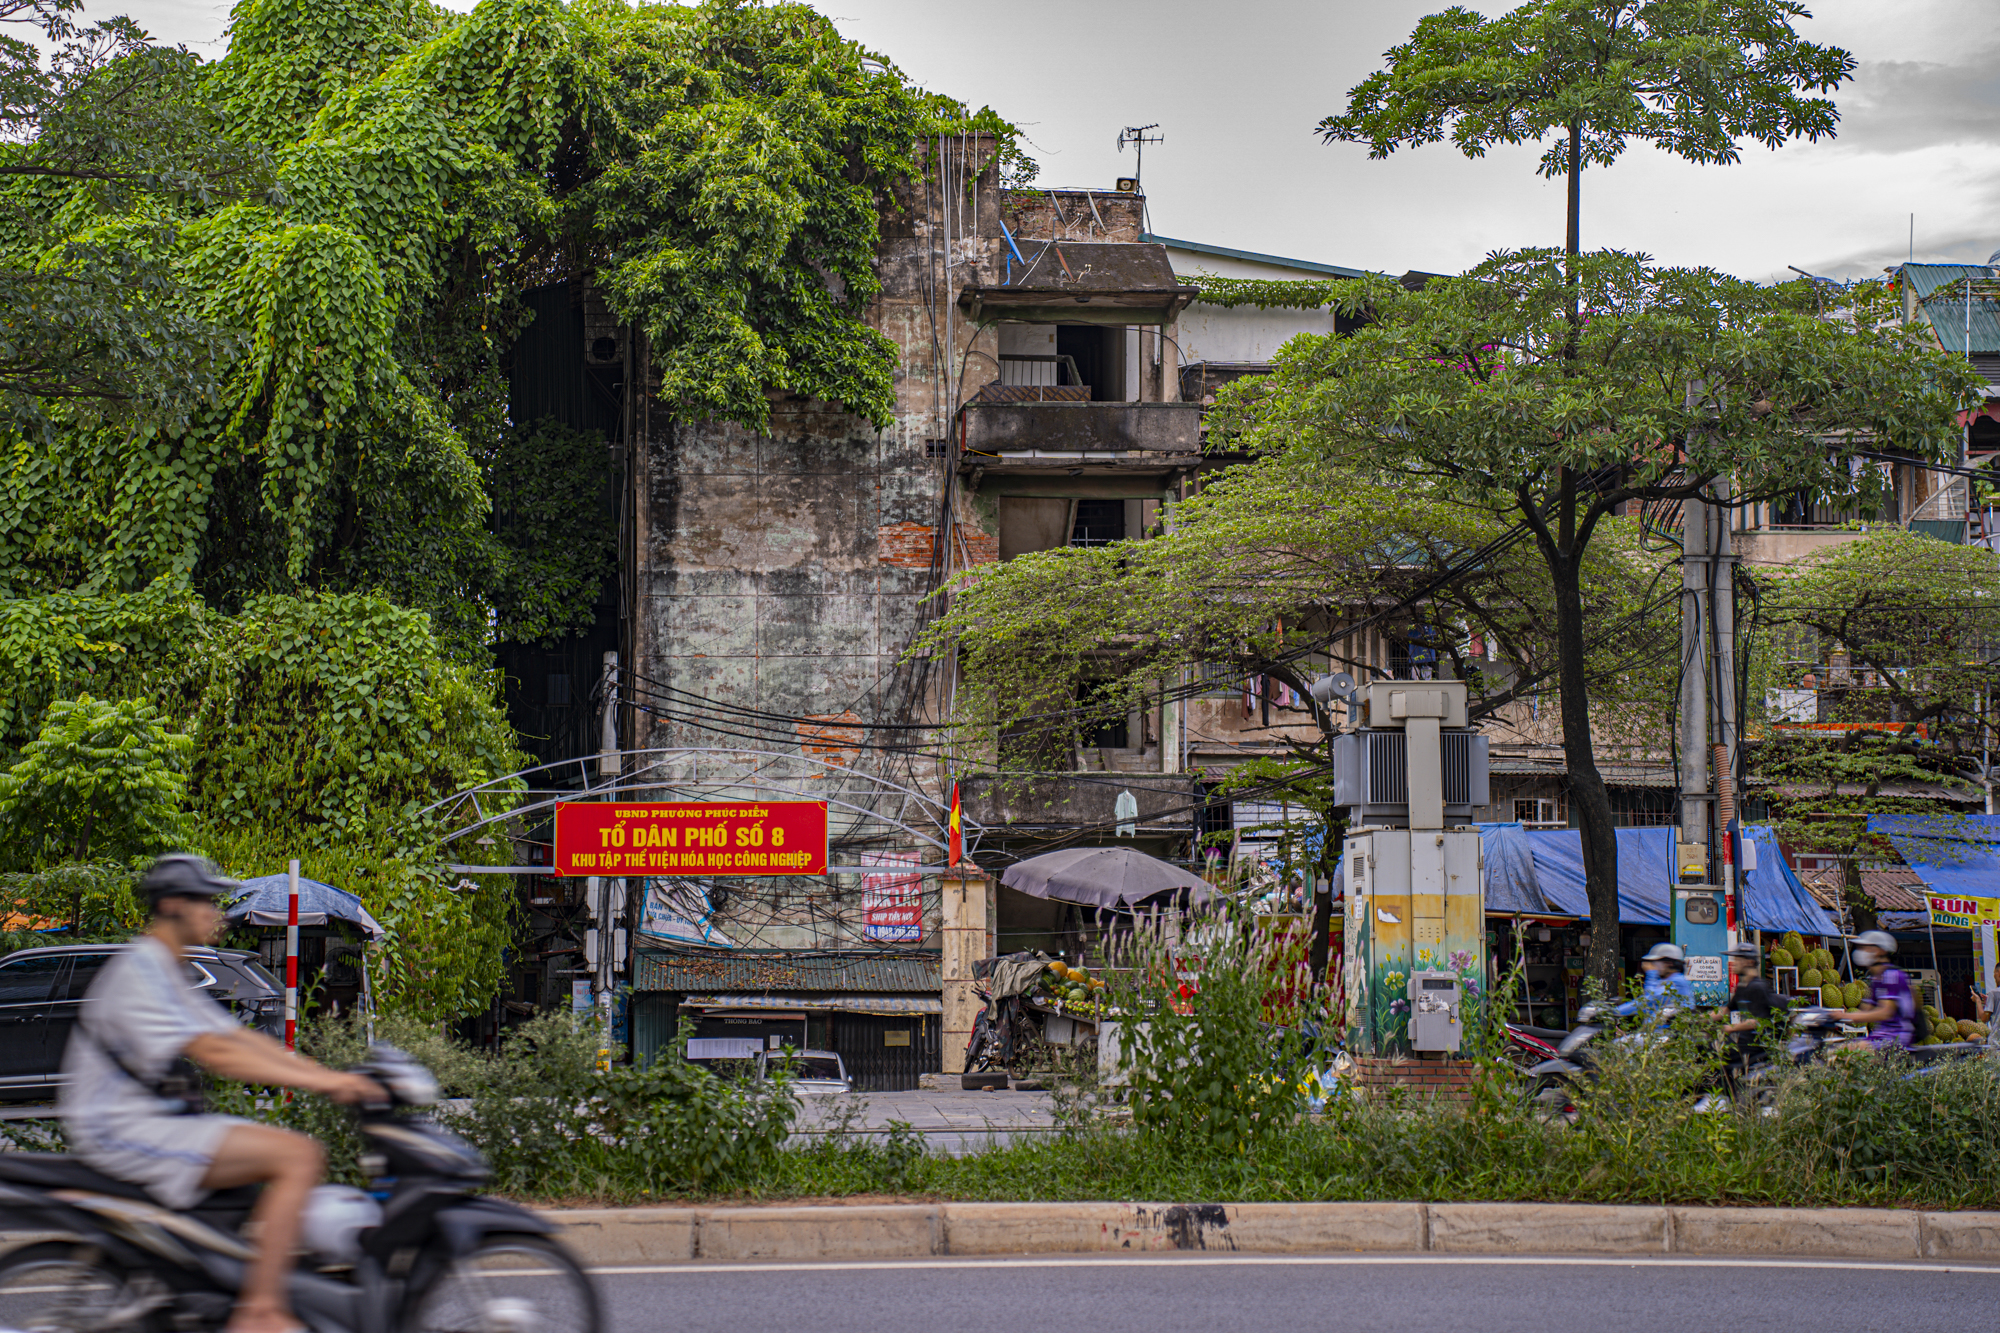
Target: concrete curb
(614, 1237)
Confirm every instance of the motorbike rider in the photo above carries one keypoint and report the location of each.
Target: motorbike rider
(1666, 987)
(1892, 1006)
(128, 1104)
(1752, 995)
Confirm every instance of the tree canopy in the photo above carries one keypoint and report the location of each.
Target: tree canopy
(1690, 77)
(257, 459)
(1551, 390)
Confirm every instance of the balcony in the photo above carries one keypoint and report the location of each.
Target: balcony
(1040, 805)
(1070, 432)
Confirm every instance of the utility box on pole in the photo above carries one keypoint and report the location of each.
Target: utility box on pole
(1413, 882)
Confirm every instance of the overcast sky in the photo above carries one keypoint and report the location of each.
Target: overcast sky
(1237, 88)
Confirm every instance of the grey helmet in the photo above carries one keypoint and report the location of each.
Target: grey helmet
(1881, 941)
(1664, 952)
(1742, 949)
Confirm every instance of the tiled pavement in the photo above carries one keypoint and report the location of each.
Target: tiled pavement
(951, 1122)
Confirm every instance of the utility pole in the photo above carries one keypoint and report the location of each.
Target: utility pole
(1703, 916)
(1728, 741)
(1694, 693)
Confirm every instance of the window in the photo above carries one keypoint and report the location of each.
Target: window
(1096, 728)
(29, 980)
(1098, 523)
(1540, 813)
(88, 965)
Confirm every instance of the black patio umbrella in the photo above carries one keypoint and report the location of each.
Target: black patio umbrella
(1103, 877)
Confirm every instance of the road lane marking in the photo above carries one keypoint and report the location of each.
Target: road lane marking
(1291, 1260)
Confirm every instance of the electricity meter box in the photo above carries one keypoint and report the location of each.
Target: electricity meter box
(1414, 905)
(1434, 1001)
(1702, 933)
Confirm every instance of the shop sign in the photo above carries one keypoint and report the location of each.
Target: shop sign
(892, 901)
(691, 838)
(1964, 913)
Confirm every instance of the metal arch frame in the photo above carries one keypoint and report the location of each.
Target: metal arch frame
(630, 782)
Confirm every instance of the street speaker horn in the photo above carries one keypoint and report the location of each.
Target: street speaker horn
(1339, 686)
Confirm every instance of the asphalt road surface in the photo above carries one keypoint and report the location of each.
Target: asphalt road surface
(1348, 1293)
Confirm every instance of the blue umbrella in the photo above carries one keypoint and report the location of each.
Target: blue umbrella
(265, 902)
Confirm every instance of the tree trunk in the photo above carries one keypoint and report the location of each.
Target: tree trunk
(1587, 795)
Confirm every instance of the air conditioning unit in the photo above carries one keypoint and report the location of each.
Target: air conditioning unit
(1371, 775)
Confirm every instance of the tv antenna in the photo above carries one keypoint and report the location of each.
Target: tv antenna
(1136, 136)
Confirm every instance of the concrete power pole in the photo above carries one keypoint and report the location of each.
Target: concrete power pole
(1694, 692)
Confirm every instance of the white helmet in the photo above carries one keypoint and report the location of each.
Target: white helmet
(1877, 939)
(1664, 952)
(335, 1217)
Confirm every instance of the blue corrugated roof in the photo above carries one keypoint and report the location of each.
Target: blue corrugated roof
(1940, 290)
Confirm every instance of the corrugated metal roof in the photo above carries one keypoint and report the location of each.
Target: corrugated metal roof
(1897, 890)
(705, 973)
(1614, 775)
(846, 1004)
(1940, 292)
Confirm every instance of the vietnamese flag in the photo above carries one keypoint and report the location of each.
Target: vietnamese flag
(955, 840)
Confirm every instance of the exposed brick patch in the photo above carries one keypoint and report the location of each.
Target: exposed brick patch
(1441, 1076)
(981, 548)
(831, 744)
(906, 544)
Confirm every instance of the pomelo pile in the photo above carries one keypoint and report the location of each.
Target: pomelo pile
(1073, 986)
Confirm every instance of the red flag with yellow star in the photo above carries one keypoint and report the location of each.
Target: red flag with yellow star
(955, 840)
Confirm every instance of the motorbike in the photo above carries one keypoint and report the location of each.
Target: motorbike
(421, 1251)
(1553, 1079)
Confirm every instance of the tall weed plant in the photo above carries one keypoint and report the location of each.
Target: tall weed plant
(550, 1124)
(1216, 1032)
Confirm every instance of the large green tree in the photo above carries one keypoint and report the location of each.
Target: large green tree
(1554, 390)
(1889, 637)
(1693, 78)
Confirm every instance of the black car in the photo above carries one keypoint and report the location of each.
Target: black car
(41, 991)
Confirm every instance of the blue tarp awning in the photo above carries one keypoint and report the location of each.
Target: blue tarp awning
(1771, 897)
(1539, 872)
(1953, 854)
(264, 902)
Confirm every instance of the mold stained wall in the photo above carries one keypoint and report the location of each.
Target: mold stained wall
(786, 570)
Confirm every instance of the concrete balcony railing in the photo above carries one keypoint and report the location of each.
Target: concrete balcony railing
(1068, 803)
(1054, 431)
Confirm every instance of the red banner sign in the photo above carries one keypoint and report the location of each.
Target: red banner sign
(691, 838)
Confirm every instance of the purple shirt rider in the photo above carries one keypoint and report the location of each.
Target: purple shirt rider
(1900, 1027)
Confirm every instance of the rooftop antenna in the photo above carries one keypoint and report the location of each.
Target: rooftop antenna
(1136, 135)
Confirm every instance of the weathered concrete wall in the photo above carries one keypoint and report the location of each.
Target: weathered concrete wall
(1074, 215)
(785, 570)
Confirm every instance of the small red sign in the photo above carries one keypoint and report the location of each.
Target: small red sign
(691, 838)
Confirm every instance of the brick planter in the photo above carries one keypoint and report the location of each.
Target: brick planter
(1422, 1074)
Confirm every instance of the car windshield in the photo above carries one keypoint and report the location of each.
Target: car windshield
(810, 1067)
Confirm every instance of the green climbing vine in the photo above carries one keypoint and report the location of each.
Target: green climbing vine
(258, 460)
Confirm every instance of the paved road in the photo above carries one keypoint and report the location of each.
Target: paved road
(952, 1122)
(1348, 1293)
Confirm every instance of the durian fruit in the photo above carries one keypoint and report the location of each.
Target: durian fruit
(1781, 957)
(1825, 958)
(1809, 977)
(1966, 1027)
(1852, 994)
(1792, 944)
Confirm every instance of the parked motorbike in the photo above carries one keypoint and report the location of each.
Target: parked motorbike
(423, 1251)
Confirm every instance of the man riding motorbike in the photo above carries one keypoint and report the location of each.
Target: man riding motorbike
(1752, 995)
(1667, 987)
(130, 1106)
(1892, 1005)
